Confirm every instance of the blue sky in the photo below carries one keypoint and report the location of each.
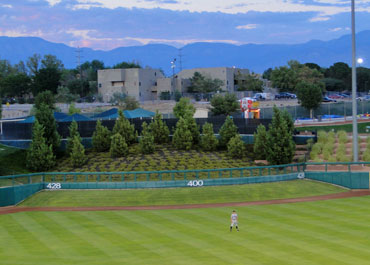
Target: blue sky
(108, 24)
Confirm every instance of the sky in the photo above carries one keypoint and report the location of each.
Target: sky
(109, 24)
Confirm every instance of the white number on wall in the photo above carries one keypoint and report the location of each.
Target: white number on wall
(195, 183)
(54, 186)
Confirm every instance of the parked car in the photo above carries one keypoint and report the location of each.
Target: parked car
(327, 99)
(88, 99)
(260, 96)
(335, 96)
(285, 95)
(8, 100)
(364, 98)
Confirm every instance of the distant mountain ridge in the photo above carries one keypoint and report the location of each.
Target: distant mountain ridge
(256, 57)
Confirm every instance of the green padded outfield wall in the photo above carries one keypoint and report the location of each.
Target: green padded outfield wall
(351, 180)
(16, 194)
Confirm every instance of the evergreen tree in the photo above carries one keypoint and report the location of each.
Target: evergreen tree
(77, 154)
(118, 147)
(208, 141)
(236, 147)
(193, 128)
(289, 121)
(146, 142)
(260, 142)
(125, 129)
(182, 138)
(73, 131)
(45, 117)
(159, 129)
(184, 108)
(280, 145)
(40, 156)
(227, 131)
(101, 138)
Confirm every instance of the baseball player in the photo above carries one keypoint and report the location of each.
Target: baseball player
(234, 221)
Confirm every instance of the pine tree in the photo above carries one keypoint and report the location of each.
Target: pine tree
(227, 131)
(182, 138)
(73, 131)
(280, 145)
(45, 117)
(146, 142)
(159, 129)
(236, 147)
(260, 142)
(118, 147)
(125, 129)
(208, 141)
(40, 156)
(77, 154)
(193, 128)
(101, 138)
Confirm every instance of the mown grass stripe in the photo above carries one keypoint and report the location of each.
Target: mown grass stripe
(8, 244)
(170, 240)
(84, 244)
(274, 247)
(232, 242)
(332, 248)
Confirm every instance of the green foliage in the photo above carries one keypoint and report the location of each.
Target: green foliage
(204, 84)
(77, 155)
(126, 65)
(318, 147)
(65, 96)
(118, 147)
(101, 138)
(280, 144)
(146, 142)
(366, 155)
(342, 136)
(227, 131)
(159, 129)
(208, 139)
(184, 108)
(260, 142)
(249, 82)
(73, 110)
(236, 147)
(322, 136)
(182, 137)
(130, 103)
(177, 95)
(289, 120)
(73, 131)
(224, 105)
(310, 144)
(310, 95)
(193, 128)
(46, 79)
(45, 117)
(125, 129)
(15, 85)
(40, 155)
(46, 98)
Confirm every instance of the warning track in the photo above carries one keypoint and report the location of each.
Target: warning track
(348, 194)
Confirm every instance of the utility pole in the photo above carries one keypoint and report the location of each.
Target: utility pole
(180, 58)
(354, 86)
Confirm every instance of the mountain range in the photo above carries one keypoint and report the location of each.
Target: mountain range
(256, 57)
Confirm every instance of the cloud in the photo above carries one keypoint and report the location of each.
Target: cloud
(248, 26)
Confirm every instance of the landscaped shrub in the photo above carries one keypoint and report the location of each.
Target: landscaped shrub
(322, 136)
(310, 144)
(342, 157)
(193, 128)
(313, 155)
(208, 141)
(101, 138)
(40, 156)
(125, 129)
(159, 129)
(342, 136)
(73, 131)
(332, 135)
(118, 147)
(280, 144)
(236, 147)
(182, 137)
(366, 155)
(228, 130)
(317, 148)
(146, 142)
(332, 159)
(77, 154)
(260, 142)
(184, 108)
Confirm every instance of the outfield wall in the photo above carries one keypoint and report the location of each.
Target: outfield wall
(16, 194)
(351, 180)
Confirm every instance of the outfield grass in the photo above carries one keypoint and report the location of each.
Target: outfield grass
(235, 193)
(334, 232)
(12, 161)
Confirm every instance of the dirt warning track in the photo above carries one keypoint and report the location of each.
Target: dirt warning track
(348, 194)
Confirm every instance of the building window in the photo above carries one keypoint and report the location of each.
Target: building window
(99, 84)
(139, 83)
(155, 84)
(140, 94)
(155, 73)
(227, 82)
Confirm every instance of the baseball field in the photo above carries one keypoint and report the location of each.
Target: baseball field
(321, 232)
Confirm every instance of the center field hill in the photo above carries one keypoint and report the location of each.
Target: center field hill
(332, 232)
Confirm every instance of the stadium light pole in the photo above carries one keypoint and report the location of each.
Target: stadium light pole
(354, 86)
